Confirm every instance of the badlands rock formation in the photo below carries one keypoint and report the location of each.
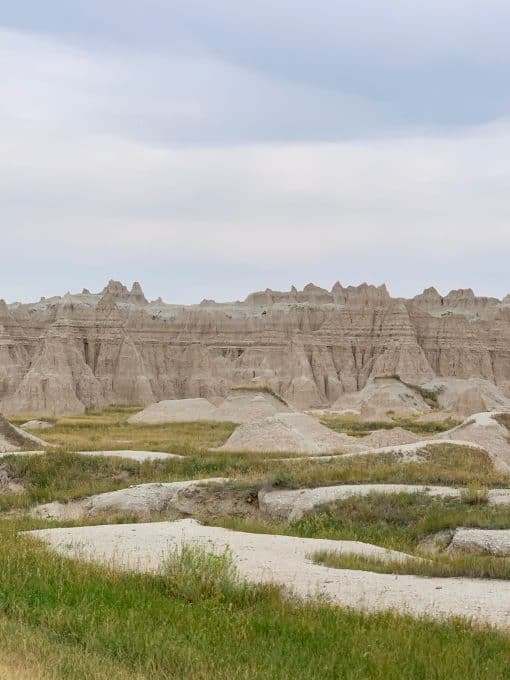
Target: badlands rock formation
(63, 354)
(384, 395)
(240, 406)
(290, 432)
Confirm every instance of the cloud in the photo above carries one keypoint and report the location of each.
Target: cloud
(228, 161)
(431, 63)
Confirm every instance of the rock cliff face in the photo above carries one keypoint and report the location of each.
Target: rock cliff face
(63, 354)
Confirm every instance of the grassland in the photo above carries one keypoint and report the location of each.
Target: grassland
(61, 619)
(357, 427)
(80, 621)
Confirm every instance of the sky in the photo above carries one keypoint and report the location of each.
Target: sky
(212, 148)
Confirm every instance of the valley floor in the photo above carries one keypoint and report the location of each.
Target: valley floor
(193, 615)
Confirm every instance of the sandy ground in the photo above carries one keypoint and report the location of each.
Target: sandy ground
(292, 504)
(283, 560)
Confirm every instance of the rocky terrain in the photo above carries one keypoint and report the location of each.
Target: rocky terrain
(64, 354)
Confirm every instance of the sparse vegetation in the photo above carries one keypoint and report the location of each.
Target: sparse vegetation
(63, 619)
(108, 429)
(395, 521)
(73, 621)
(446, 566)
(357, 427)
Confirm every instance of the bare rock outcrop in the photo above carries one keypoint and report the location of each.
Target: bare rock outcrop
(286, 432)
(64, 354)
(487, 431)
(481, 541)
(383, 396)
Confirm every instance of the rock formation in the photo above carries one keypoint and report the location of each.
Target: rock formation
(13, 438)
(63, 354)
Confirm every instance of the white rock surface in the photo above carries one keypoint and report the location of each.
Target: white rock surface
(481, 541)
(36, 425)
(283, 560)
(141, 500)
(139, 456)
(292, 504)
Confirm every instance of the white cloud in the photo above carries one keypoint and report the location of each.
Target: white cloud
(78, 176)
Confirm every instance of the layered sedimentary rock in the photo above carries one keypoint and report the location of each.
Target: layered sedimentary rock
(63, 354)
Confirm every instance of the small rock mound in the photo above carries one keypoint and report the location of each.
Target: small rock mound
(175, 410)
(248, 406)
(465, 397)
(481, 542)
(142, 500)
(382, 396)
(36, 425)
(241, 406)
(290, 432)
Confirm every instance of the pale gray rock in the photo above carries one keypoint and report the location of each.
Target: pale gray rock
(63, 354)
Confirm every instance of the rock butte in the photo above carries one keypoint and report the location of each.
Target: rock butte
(63, 354)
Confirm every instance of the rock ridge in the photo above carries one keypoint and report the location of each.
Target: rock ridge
(66, 353)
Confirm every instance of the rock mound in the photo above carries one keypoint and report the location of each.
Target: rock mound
(486, 431)
(465, 397)
(142, 500)
(241, 406)
(13, 438)
(248, 406)
(382, 396)
(36, 425)
(289, 432)
(175, 410)
(481, 542)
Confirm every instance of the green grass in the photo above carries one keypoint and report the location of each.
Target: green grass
(181, 625)
(108, 429)
(471, 566)
(63, 619)
(396, 521)
(65, 476)
(356, 427)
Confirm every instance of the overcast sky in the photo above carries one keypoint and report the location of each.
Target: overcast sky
(212, 148)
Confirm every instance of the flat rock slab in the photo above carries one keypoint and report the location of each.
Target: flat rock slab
(142, 500)
(406, 453)
(283, 560)
(139, 456)
(481, 541)
(292, 504)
